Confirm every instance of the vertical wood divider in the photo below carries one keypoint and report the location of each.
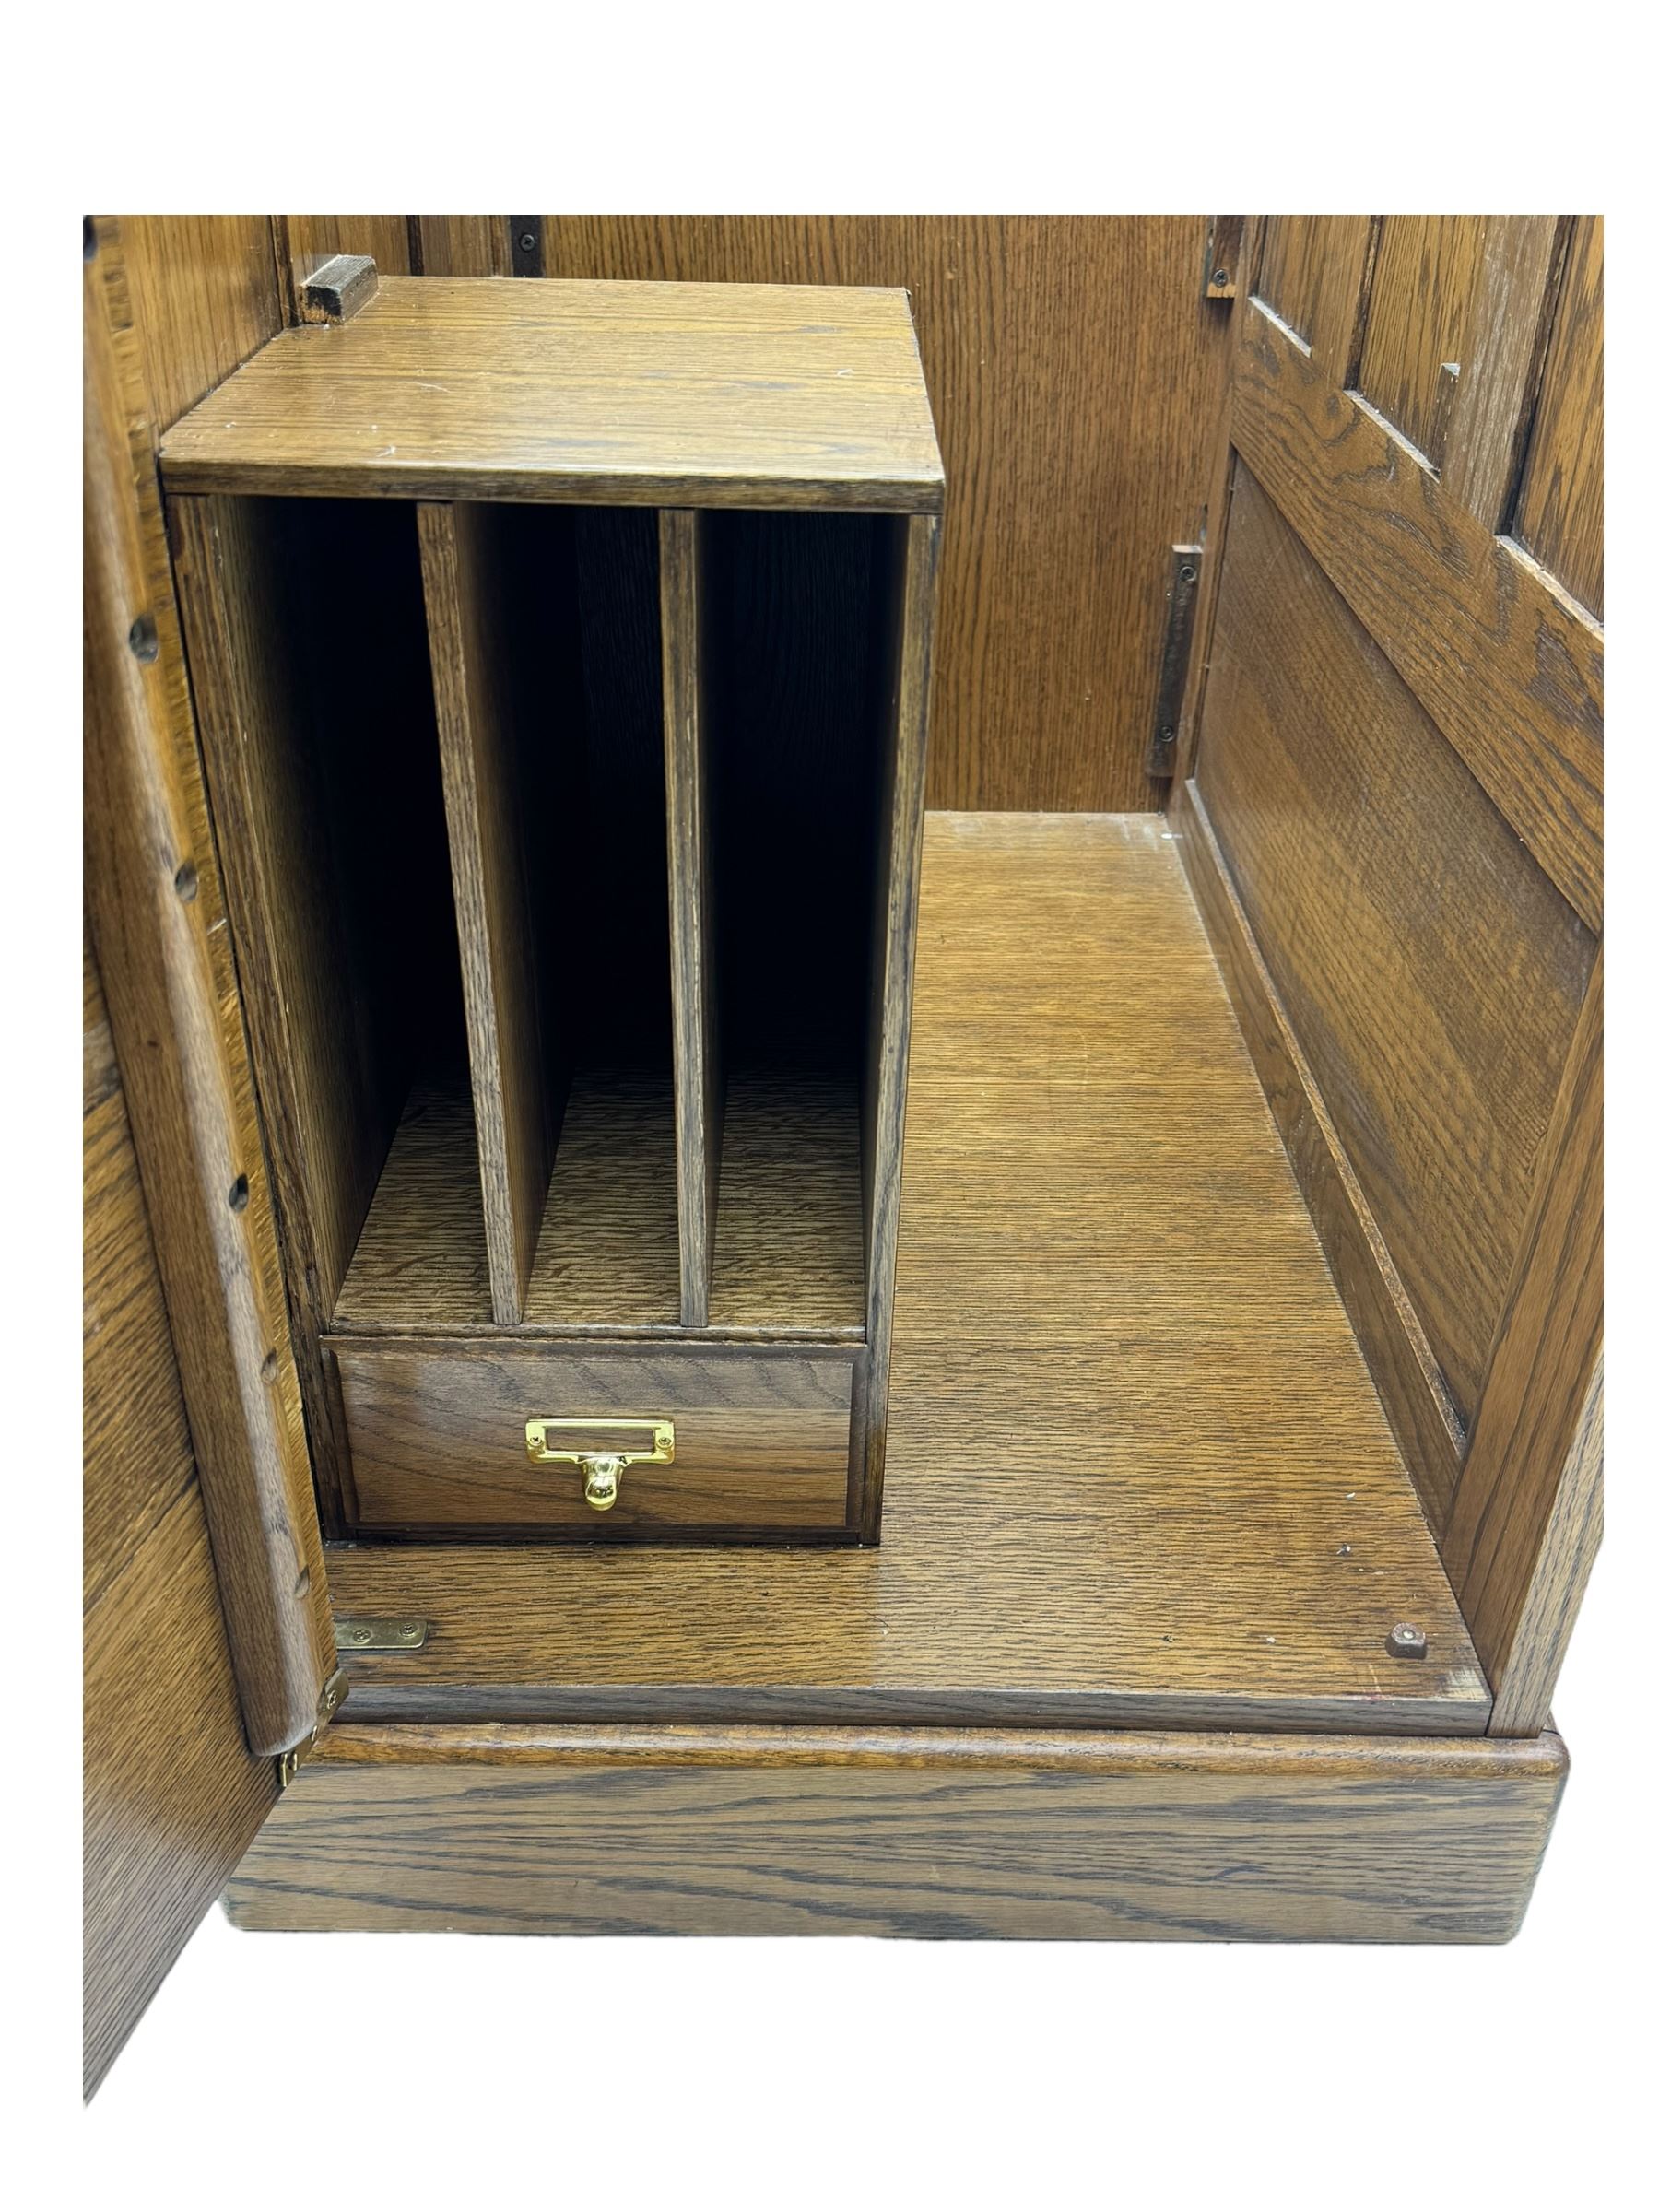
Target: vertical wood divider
(490, 869)
(898, 882)
(698, 1080)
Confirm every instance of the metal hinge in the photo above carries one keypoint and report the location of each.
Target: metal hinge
(334, 1695)
(392, 1632)
(1185, 562)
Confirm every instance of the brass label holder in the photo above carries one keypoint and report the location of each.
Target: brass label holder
(601, 1470)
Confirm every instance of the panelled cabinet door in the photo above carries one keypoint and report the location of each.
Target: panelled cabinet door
(1389, 793)
(173, 1795)
(207, 1639)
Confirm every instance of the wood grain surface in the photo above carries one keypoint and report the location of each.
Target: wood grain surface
(1560, 515)
(896, 889)
(1418, 999)
(203, 295)
(740, 395)
(495, 843)
(1429, 966)
(1074, 368)
(772, 1831)
(173, 1795)
(1314, 271)
(1527, 1515)
(1419, 323)
(789, 1234)
(699, 1060)
(1509, 669)
(157, 914)
(1508, 319)
(1137, 1471)
(1403, 1366)
(762, 1435)
(323, 777)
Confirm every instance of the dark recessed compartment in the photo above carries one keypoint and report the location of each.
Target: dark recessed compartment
(796, 639)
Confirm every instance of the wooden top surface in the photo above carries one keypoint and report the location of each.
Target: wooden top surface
(650, 395)
(1138, 1474)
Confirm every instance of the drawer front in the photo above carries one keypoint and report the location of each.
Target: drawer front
(762, 1435)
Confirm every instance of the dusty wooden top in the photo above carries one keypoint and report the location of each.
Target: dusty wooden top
(640, 395)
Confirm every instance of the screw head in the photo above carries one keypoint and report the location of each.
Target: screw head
(1189, 574)
(526, 242)
(142, 640)
(1218, 276)
(1407, 1642)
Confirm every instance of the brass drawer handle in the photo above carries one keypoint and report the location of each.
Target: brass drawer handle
(601, 1471)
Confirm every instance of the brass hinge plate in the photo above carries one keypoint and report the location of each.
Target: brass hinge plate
(1185, 561)
(334, 1695)
(390, 1632)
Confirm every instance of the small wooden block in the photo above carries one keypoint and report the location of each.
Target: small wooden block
(335, 292)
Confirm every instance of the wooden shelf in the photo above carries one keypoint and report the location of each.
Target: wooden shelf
(1138, 1474)
(653, 394)
(789, 1254)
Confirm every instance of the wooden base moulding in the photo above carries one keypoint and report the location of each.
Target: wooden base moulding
(1062, 1834)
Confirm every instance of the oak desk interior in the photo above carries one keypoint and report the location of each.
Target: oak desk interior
(1137, 1472)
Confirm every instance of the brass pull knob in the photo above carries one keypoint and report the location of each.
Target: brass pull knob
(601, 1470)
(601, 1478)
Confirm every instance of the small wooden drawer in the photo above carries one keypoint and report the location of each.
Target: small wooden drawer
(762, 1435)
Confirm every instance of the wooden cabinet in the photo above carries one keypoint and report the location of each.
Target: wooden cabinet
(527, 968)
(561, 656)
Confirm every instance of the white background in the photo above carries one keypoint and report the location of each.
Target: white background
(375, 2072)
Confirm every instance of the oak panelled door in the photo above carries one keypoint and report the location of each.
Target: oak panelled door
(1390, 790)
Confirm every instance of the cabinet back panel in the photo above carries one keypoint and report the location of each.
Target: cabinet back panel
(1430, 968)
(1074, 373)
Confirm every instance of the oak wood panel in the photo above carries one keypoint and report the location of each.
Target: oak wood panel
(492, 836)
(173, 1797)
(1403, 1366)
(137, 1460)
(1074, 373)
(1430, 969)
(1217, 508)
(1508, 321)
(1136, 1468)
(1511, 674)
(790, 1236)
(464, 245)
(1560, 516)
(202, 294)
(741, 395)
(323, 1094)
(762, 1435)
(1562, 1564)
(771, 1831)
(177, 1022)
(898, 882)
(323, 768)
(1527, 1514)
(607, 1257)
(1418, 322)
(699, 1067)
(1312, 273)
